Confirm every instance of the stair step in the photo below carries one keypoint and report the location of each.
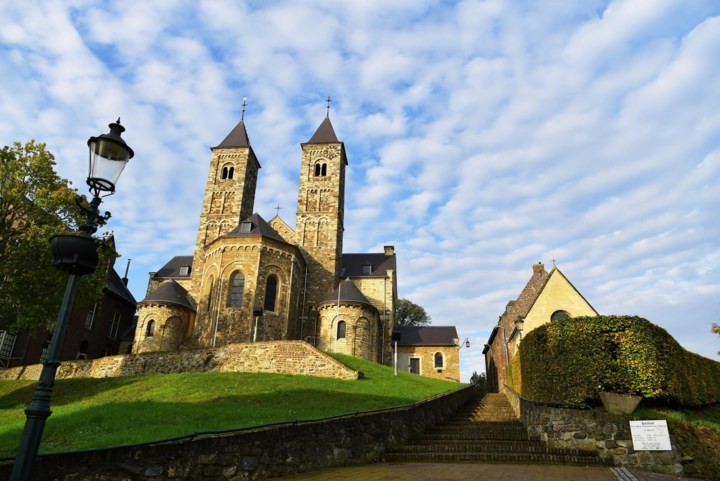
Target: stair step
(527, 447)
(519, 458)
(478, 436)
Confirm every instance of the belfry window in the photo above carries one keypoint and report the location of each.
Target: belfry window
(270, 293)
(237, 284)
(341, 330)
(320, 169)
(228, 172)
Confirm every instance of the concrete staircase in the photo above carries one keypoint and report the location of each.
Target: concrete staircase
(486, 430)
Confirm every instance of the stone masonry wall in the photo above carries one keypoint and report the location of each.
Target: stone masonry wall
(608, 434)
(255, 453)
(426, 354)
(285, 357)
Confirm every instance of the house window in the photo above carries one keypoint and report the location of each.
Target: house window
(115, 325)
(184, 270)
(90, 317)
(270, 293)
(237, 284)
(246, 227)
(559, 316)
(82, 351)
(150, 329)
(439, 361)
(367, 268)
(7, 342)
(341, 330)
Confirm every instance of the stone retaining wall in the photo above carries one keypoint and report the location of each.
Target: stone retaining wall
(255, 454)
(608, 434)
(285, 357)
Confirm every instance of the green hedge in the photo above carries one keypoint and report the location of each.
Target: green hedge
(572, 359)
(513, 375)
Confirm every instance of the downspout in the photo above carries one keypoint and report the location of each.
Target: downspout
(255, 294)
(289, 292)
(302, 313)
(384, 319)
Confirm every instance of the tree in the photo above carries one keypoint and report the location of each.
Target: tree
(407, 313)
(479, 381)
(716, 329)
(35, 203)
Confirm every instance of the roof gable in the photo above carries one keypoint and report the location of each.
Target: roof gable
(353, 265)
(520, 308)
(556, 274)
(258, 227)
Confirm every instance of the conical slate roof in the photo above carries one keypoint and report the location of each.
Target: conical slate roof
(170, 292)
(325, 134)
(346, 291)
(238, 137)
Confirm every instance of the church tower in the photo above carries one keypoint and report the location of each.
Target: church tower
(321, 209)
(229, 199)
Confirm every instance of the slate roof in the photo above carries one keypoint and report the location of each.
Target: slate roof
(352, 264)
(260, 227)
(237, 137)
(347, 291)
(116, 285)
(172, 268)
(427, 335)
(519, 308)
(325, 134)
(170, 292)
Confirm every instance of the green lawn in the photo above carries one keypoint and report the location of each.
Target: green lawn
(90, 413)
(696, 431)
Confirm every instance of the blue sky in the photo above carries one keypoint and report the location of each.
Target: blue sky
(482, 136)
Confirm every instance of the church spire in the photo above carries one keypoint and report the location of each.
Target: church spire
(238, 136)
(325, 134)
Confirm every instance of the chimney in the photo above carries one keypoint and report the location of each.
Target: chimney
(389, 250)
(538, 268)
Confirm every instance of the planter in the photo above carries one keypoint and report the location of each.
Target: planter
(615, 403)
(75, 254)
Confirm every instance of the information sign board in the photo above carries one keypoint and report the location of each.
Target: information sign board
(650, 435)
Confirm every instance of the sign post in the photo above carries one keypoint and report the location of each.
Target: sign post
(650, 435)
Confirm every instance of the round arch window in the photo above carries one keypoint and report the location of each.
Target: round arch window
(559, 316)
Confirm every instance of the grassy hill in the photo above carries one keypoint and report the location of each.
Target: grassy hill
(91, 413)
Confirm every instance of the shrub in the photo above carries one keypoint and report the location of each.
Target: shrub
(578, 357)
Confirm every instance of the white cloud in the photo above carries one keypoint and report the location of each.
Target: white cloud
(482, 136)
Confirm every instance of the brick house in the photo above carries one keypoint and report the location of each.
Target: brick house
(255, 280)
(431, 351)
(93, 331)
(548, 296)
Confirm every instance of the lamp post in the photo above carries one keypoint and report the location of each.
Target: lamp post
(257, 312)
(77, 255)
(466, 343)
(395, 338)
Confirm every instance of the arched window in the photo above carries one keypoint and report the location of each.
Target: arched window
(341, 330)
(317, 170)
(439, 361)
(150, 329)
(270, 293)
(237, 284)
(210, 295)
(228, 172)
(559, 315)
(324, 170)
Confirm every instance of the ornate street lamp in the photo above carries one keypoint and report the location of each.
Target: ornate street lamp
(465, 343)
(77, 255)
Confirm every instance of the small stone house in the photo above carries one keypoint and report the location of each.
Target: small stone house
(431, 351)
(547, 297)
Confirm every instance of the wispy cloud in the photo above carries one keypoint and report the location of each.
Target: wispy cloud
(482, 136)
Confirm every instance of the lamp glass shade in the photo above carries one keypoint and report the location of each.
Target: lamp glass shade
(107, 161)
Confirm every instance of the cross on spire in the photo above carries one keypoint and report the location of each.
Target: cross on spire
(328, 106)
(278, 210)
(244, 104)
(554, 262)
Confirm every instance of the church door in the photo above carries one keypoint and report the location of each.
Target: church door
(415, 365)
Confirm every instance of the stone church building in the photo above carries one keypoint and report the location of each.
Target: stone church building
(255, 280)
